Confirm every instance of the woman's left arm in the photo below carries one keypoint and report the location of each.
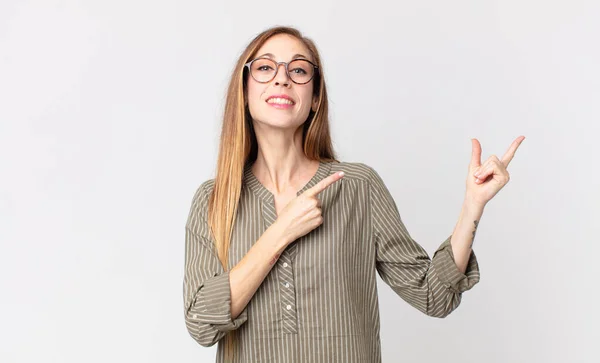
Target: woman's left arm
(483, 183)
(464, 234)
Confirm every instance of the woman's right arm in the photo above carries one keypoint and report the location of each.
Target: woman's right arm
(249, 273)
(215, 300)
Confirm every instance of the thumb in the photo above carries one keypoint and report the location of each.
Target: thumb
(475, 154)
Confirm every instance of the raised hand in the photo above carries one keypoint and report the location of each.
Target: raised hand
(485, 180)
(303, 213)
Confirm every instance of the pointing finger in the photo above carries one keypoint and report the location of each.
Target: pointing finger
(510, 153)
(323, 184)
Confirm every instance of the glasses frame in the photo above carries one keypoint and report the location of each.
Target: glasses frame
(287, 72)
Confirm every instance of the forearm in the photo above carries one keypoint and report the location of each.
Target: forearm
(249, 273)
(464, 233)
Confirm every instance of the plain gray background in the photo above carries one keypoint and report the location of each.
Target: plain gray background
(110, 118)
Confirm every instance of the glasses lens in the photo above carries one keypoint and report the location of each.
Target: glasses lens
(263, 70)
(301, 71)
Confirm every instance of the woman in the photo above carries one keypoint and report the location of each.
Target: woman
(283, 245)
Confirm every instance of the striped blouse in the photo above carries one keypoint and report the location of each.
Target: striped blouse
(319, 302)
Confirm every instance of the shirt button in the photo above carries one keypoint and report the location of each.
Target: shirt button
(289, 307)
(285, 264)
(286, 284)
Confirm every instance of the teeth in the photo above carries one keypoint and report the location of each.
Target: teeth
(281, 101)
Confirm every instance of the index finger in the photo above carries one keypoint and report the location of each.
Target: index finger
(323, 184)
(510, 153)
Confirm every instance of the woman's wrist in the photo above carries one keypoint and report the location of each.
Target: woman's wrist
(279, 236)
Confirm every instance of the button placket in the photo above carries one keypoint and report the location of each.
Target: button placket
(287, 294)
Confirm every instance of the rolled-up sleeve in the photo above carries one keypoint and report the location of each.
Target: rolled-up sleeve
(448, 272)
(206, 286)
(433, 286)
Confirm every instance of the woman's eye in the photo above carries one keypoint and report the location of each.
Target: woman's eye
(264, 68)
(299, 70)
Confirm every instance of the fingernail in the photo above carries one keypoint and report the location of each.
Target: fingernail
(341, 173)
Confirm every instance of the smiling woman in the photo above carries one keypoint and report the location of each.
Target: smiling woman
(284, 245)
(295, 92)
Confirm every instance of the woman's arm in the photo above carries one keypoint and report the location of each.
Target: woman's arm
(249, 273)
(432, 285)
(464, 233)
(483, 182)
(215, 299)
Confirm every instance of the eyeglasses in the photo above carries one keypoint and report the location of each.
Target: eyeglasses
(263, 70)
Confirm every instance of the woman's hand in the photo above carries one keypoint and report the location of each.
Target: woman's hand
(303, 213)
(484, 181)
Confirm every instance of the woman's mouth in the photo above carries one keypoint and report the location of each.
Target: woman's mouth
(281, 103)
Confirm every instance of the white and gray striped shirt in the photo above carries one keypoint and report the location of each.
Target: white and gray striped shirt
(319, 302)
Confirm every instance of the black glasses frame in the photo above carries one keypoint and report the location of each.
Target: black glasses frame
(287, 72)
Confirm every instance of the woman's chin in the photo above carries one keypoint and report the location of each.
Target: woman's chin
(279, 123)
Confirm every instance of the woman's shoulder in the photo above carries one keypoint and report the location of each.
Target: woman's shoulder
(202, 195)
(355, 170)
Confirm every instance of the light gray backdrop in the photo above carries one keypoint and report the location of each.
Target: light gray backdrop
(109, 120)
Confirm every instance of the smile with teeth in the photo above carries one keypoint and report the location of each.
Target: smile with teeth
(280, 101)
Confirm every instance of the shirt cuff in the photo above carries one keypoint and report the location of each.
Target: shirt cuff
(448, 272)
(213, 305)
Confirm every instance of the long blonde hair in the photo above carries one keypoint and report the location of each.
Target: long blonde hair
(238, 146)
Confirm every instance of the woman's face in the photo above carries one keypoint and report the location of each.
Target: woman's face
(267, 110)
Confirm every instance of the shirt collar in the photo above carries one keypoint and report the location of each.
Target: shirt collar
(262, 192)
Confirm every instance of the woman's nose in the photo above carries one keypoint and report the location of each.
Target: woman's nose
(281, 77)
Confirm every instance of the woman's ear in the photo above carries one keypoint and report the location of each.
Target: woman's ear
(315, 103)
